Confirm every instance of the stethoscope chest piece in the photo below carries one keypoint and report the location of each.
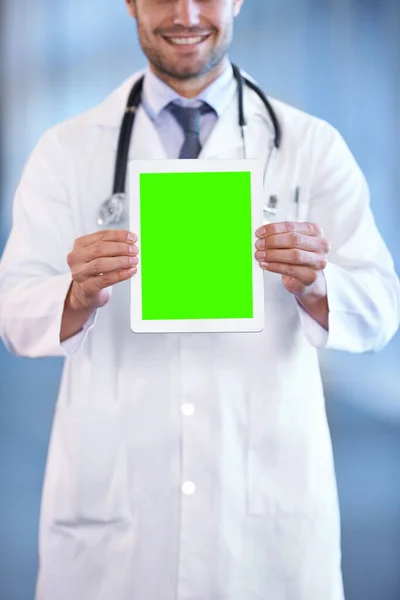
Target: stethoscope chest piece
(112, 211)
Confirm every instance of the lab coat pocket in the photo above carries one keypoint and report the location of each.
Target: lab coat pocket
(90, 467)
(279, 466)
(285, 203)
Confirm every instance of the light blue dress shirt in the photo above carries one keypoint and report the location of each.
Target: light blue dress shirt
(157, 95)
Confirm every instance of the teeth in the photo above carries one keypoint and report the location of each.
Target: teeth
(186, 41)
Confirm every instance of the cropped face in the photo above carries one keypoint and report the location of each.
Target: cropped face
(184, 39)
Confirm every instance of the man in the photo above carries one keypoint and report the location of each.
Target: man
(191, 466)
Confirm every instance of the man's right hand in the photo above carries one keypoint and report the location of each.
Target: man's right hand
(98, 261)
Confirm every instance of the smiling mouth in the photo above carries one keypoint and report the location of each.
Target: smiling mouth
(186, 41)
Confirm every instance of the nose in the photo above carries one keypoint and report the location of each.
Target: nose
(186, 13)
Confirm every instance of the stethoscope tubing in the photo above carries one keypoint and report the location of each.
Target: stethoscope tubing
(134, 101)
(115, 206)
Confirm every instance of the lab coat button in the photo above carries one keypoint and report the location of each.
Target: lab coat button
(187, 409)
(188, 488)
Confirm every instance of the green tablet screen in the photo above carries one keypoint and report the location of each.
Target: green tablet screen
(196, 245)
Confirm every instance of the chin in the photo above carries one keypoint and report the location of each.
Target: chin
(189, 71)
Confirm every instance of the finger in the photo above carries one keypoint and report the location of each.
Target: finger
(95, 284)
(102, 265)
(311, 229)
(294, 256)
(107, 235)
(304, 275)
(294, 240)
(101, 249)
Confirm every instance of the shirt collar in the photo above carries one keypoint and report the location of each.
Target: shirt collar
(157, 94)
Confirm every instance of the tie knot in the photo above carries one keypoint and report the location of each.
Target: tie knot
(188, 117)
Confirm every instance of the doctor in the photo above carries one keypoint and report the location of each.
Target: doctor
(192, 467)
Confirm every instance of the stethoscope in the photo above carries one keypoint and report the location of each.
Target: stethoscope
(112, 211)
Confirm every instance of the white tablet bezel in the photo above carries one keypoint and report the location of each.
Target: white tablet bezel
(254, 167)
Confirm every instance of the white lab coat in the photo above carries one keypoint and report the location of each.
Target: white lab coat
(241, 416)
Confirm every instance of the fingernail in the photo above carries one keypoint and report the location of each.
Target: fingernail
(261, 255)
(133, 260)
(264, 265)
(132, 237)
(260, 232)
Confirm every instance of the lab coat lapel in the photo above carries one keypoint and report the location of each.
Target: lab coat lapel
(146, 143)
(225, 140)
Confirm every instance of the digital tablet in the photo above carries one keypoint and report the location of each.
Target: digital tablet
(196, 222)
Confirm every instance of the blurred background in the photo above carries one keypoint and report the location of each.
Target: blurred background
(338, 59)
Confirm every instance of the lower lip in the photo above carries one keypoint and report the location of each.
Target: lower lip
(183, 47)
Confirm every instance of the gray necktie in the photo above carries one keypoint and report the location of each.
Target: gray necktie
(189, 119)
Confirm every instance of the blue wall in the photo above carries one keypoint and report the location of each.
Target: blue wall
(340, 60)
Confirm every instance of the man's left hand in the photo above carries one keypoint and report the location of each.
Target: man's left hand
(298, 252)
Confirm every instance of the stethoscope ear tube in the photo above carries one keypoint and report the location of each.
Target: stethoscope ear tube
(239, 80)
(271, 112)
(121, 163)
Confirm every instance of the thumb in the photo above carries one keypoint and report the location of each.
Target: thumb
(293, 285)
